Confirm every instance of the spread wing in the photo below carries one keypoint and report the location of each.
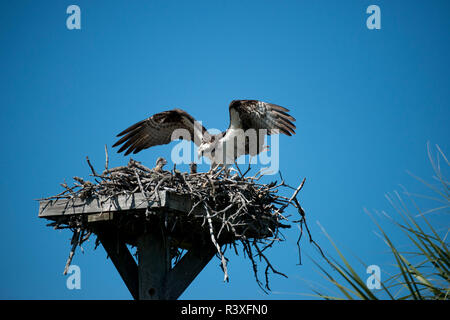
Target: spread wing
(246, 114)
(158, 129)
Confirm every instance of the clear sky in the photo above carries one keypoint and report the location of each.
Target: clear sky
(366, 103)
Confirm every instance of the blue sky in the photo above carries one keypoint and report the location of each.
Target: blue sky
(366, 103)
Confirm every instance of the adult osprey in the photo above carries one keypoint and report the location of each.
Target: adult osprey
(250, 121)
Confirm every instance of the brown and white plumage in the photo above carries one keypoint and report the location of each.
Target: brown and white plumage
(161, 128)
(254, 114)
(158, 130)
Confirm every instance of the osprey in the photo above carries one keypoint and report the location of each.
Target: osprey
(250, 121)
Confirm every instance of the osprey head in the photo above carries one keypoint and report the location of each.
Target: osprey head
(160, 163)
(206, 147)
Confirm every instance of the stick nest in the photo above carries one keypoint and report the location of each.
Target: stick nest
(229, 208)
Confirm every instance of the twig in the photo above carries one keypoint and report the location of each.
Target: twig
(75, 241)
(213, 239)
(90, 166)
(107, 158)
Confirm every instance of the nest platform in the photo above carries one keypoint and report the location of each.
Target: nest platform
(177, 221)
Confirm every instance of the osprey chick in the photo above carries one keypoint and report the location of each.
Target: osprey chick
(160, 163)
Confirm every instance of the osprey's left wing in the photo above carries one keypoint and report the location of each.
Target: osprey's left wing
(256, 114)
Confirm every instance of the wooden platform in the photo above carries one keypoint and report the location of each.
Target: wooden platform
(95, 207)
(153, 277)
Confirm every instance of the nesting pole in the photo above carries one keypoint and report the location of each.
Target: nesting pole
(177, 221)
(153, 277)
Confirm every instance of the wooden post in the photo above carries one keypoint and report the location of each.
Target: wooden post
(157, 280)
(153, 277)
(153, 265)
